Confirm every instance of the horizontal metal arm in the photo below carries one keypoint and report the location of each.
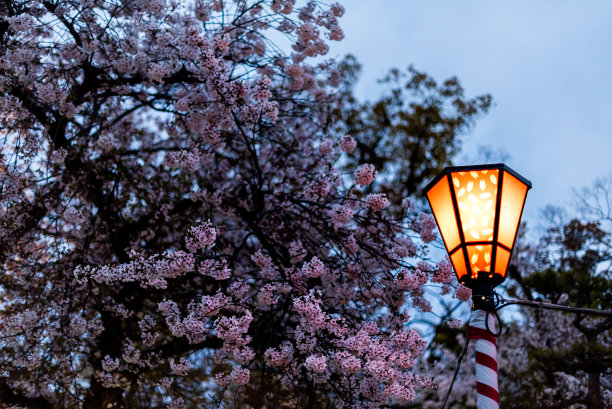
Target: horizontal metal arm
(549, 306)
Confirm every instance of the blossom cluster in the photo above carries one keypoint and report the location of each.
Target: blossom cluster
(147, 271)
(375, 359)
(201, 237)
(365, 174)
(377, 201)
(342, 214)
(347, 144)
(426, 224)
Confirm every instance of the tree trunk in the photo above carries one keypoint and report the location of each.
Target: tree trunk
(594, 397)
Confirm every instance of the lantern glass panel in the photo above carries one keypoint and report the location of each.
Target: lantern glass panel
(512, 198)
(442, 205)
(480, 258)
(459, 263)
(501, 261)
(476, 193)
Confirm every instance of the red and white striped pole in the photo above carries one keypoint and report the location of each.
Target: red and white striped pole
(486, 359)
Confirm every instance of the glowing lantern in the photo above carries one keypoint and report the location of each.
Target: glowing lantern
(478, 209)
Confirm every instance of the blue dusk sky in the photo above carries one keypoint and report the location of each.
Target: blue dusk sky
(548, 66)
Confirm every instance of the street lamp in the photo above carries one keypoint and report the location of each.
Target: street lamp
(478, 210)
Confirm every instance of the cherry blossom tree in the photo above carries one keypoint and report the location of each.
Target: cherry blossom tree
(187, 220)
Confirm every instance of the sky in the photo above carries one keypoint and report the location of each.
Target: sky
(548, 66)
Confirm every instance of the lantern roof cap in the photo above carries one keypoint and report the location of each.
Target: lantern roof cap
(501, 166)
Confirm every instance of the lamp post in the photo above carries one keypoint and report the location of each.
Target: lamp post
(478, 210)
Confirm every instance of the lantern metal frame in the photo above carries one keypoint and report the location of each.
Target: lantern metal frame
(484, 281)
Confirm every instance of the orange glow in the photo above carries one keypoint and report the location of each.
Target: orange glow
(512, 198)
(478, 210)
(442, 205)
(501, 261)
(476, 193)
(459, 263)
(480, 258)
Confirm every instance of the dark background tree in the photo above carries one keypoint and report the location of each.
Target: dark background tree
(569, 356)
(413, 131)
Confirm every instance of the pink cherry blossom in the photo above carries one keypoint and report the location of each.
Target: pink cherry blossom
(201, 237)
(443, 272)
(377, 201)
(341, 215)
(365, 174)
(463, 293)
(109, 364)
(347, 144)
(180, 368)
(326, 147)
(316, 363)
(240, 375)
